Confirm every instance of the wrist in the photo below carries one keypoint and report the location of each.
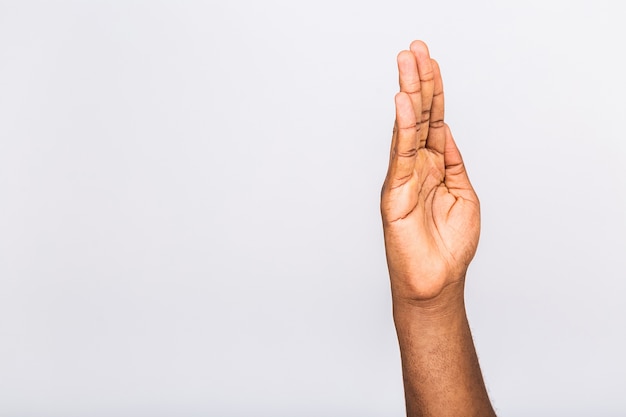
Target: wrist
(448, 303)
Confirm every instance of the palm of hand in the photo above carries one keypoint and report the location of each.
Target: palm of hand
(431, 214)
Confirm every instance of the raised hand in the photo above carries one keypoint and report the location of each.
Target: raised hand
(431, 221)
(431, 214)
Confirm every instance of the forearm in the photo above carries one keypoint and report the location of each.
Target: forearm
(440, 368)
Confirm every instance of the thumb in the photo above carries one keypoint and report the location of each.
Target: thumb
(456, 176)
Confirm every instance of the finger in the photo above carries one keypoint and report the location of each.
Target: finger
(410, 80)
(403, 154)
(456, 176)
(436, 132)
(426, 76)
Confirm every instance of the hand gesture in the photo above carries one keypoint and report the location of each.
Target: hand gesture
(431, 214)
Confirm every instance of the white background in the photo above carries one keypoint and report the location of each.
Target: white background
(189, 218)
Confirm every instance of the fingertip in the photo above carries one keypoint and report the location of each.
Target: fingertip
(408, 72)
(403, 102)
(405, 116)
(450, 145)
(436, 71)
(419, 48)
(452, 155)
(405, 59)
(400, 96)
(424, 62)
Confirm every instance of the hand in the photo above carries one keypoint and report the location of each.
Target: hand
(431, 214)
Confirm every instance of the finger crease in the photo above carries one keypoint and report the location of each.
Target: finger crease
(416, 126)
(401, 182)
(435, 124)
(429, 76)
(410, 153)
(419, 90)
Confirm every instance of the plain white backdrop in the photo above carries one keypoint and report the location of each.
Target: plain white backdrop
(189, 192)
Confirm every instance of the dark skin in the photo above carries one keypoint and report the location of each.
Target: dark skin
(431, 222)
